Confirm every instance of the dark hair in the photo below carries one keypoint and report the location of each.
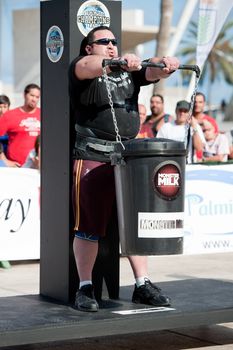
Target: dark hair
(5, 100)
(198, 93)
(89, 39)
(157, 95)
(30, 87)
(1, 148)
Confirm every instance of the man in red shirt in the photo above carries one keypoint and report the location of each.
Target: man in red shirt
(198, 113)
(22, 125)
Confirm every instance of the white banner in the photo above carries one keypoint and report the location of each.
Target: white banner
(212, 16)
(208, 209)
(19, 214)
(208, 224)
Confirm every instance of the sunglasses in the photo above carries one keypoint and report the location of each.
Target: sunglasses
(105, 41)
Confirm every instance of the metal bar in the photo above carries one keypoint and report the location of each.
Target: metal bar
(112, 62)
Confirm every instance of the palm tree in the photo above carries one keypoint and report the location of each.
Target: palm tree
(166, 10)
(219, 61)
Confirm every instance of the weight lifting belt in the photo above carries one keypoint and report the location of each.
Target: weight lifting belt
(89, 147)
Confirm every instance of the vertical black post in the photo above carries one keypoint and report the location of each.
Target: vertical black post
(63, 26)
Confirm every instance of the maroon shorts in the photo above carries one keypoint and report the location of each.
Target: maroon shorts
(93, 196)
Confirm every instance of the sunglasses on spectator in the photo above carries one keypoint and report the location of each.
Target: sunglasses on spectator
(104, 41)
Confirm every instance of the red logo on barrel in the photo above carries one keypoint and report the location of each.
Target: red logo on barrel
(167, 181)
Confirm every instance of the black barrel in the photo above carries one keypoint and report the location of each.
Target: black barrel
(150, 184)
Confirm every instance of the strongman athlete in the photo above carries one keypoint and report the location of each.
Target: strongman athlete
(93, 187)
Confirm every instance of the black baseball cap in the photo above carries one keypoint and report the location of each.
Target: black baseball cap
(183, 105)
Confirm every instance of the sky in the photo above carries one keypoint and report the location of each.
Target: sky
(219, 90)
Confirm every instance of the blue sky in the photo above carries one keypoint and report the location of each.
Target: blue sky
(220, 90)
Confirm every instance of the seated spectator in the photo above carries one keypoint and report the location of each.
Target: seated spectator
(22, 125)
(33, 158)
(217, 147)
(178, 130)
(158, 117)
(145, 129)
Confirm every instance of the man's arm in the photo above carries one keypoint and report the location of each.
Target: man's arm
(90, 67)
(197, 135)
(216, 158)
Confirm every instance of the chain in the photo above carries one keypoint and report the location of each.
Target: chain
(188, 121)
(118, 136)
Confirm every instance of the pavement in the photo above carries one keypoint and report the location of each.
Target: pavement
(22, 278)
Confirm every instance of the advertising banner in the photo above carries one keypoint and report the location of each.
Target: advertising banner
(208, 224)
(19, 214)
(208, 209)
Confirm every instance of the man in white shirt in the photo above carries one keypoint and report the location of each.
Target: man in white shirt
(178, 130)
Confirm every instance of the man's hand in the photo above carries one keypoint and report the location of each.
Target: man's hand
(133, 62)
(171, 63)
(12, 163)
(9, 163)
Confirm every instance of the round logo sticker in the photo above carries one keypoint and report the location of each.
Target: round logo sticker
(54, 43)
(91, 14)
(167, 180)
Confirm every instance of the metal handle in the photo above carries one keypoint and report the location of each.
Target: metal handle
(112, 62)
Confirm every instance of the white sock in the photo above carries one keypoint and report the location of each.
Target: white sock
(84, 283)
(141, 280)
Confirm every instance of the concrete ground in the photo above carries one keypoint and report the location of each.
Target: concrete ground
(23, 278)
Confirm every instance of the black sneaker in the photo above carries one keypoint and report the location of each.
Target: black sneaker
(149, 294)
(85, 300)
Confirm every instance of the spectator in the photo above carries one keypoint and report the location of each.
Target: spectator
(198, 111)
(145, 129)
(22, 125)
(158, 117)
(217, 147)
(4, 107)
(4, 104)
(176, 130)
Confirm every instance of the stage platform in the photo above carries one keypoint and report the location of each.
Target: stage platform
(196, 300)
